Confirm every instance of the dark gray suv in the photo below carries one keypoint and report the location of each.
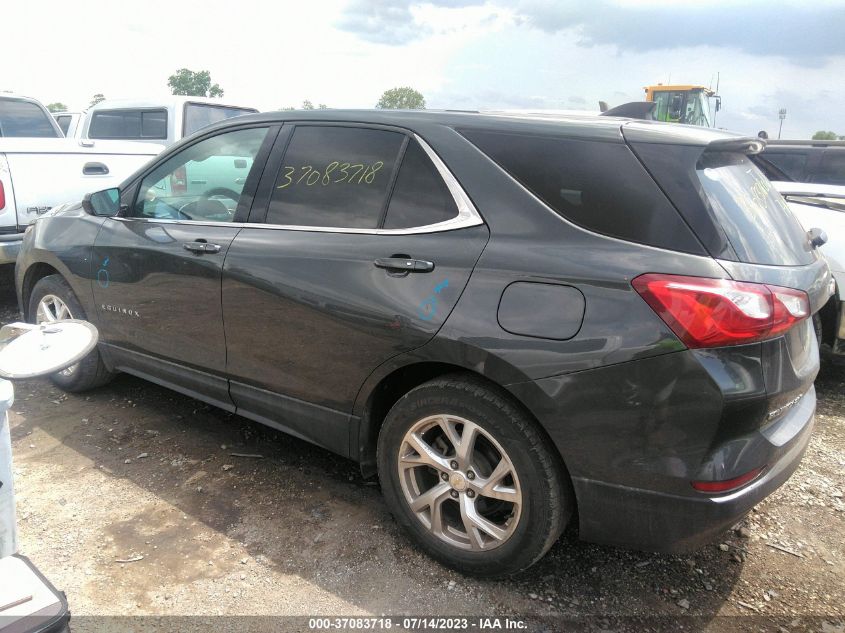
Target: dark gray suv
(514, 321)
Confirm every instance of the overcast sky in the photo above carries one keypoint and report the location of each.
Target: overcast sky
(525, 54)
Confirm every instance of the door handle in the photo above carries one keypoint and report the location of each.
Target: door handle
(95, 169)
(404, 264)
(201, 247)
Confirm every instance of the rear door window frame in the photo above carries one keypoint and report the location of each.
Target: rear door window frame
(467, 215)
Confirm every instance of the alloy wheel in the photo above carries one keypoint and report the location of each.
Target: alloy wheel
(50, 309)
(459, 482)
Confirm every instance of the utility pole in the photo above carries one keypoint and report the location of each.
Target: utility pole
(781, 116)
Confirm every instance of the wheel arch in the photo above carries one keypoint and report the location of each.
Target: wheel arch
(35, 273)
(388, 389)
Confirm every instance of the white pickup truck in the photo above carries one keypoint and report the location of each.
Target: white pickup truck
(40, 169)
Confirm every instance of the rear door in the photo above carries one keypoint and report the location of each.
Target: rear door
(357, 252)
(159, 268)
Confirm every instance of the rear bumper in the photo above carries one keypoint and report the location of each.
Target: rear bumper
(674, 523)
(10, 246)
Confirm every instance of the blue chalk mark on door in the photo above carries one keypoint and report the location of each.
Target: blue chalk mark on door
(103, 274)
(428, 308)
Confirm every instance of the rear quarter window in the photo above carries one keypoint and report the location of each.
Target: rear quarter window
(793, 164)
(600, 186)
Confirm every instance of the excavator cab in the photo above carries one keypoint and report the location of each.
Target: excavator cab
(683, 104)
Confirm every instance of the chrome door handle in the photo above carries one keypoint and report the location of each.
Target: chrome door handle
(201, 247)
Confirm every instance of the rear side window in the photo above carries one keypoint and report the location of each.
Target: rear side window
(334, 177)
(24, 119)
(64, 122)
(831, 171)
(200, 115)
(755, 217)
(793, 164)
(600, 186)
(420, 196)
(128, 124)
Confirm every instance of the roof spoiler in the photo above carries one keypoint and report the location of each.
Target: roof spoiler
(744, 145)
(643, 110)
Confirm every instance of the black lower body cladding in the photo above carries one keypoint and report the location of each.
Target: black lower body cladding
(635, 436)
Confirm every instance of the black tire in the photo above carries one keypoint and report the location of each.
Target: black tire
(90, 372)
(547, 497)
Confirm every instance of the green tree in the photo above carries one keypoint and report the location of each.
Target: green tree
(96, 99)
(307, 105)
(825, 136)
(403, 98)
(57, 107)
(193, 84)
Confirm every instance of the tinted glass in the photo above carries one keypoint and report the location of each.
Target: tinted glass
(202, 182)
(200, 115)
(64, 122)
(793, 164)
(24, 119)
(129, 124)
(832, 168)
(754, 216)
(420, 196)
(334, 177)
(600, 186)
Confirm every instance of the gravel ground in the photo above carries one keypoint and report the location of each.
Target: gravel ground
(133, 472)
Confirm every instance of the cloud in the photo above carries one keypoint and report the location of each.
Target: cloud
(806, 34)
(392, 22)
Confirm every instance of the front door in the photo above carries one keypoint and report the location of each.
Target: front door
(342, 274)
(159, 268)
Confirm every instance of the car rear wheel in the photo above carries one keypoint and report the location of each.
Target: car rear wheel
(52, 299)
(470, 476)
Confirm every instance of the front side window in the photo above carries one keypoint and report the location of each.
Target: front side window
(24, 119)
(335, 177)
(128, 124)
(202, 182)
(200, 115)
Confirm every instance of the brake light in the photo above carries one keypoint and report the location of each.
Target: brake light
(718, 312)
(179, 181)
(2, 196)
(727, 485)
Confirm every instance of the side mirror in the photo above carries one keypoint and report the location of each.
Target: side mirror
(817, 237)
(105, 203)
(718, 103)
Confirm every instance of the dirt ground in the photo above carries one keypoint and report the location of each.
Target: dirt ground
(133, 472)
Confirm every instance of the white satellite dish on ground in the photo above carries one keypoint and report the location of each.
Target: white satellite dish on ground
(28, 350)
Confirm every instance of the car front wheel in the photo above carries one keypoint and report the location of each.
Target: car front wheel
(52, 299)
(471, 477)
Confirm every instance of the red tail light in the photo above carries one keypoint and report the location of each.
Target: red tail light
(2, 196)
(179, 181)
(719, 312)
(726, 485)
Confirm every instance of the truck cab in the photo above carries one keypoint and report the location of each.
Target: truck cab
(159, 121)
(683, 104)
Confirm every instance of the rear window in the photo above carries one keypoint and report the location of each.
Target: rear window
(24, 119)
(600, 186)
(200, 115)
(64, 122)
(793, 164)
(831, 171)
(756, 219)
(128, 124)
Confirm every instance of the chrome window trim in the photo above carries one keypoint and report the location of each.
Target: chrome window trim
(467, 213)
